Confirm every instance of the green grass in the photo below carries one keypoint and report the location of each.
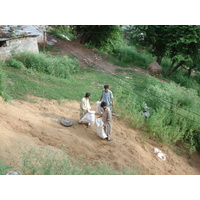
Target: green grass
(50, 162)
(129, 56)
(58, 31)
(131, 91)
(172, 108)
(3, 78)
(27, 82)
(4, 168)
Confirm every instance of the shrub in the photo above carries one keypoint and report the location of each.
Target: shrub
(60, 66)
(170, 121)
(12, 62)
(61, 32)
(3, 78)
(129, 55)
(181, 78)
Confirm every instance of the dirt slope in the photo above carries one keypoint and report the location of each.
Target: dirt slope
(25, 124)
(87, 56)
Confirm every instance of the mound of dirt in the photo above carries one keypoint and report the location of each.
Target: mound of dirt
(28, 124)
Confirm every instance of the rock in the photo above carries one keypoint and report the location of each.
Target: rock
(154, 68)
(14, 173)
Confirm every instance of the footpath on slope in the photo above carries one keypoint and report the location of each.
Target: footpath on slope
(87, 56)
(25, 125)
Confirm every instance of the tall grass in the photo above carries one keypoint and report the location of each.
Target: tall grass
(182, 79)
(3, 82)
(60, 32)
(128, 55)
(170, 122)
(60, 66)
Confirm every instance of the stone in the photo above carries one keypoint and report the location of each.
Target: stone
(154, 68)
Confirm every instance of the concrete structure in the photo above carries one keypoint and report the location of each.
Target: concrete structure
(18, 45)
(20, 38)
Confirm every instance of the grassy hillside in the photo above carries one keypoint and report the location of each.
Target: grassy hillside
(174, 109)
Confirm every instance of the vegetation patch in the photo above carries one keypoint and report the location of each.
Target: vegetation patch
(128, 56)
(3, 80)
(47, 162)
(174, 110)
(59, 66)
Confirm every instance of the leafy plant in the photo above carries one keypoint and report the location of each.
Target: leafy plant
(130, 56)
(12, 62)
(174, 110)
(103, 37)
(60, 66)
(3, 82)
(63, 32)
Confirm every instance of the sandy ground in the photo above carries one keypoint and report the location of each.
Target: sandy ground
(24, 124)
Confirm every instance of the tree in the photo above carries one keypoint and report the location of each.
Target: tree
(183, 47)
(153, 38)
(178, 42)
(104, 37)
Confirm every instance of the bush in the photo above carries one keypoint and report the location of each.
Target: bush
(170, 121)
(60, 66)
(3, 78)
(181, 78)
(12, 62)
(129, 55)
(60, 32)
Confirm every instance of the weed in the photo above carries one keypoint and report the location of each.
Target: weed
(4, 168)
(3, 83)
(128, 55)
(50, 162)
(60, 66)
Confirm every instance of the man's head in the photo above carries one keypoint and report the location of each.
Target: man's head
(104, 105)
(87, 95)
(106, 87)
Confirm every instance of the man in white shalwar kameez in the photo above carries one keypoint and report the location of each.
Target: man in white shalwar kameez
(85, 107)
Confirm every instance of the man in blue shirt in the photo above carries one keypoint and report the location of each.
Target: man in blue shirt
(107, 97)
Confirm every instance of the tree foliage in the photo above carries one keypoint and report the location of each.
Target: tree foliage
(104, 37)
(178, 42)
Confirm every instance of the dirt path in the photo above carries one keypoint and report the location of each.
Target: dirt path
(87, 56)
(25, 124)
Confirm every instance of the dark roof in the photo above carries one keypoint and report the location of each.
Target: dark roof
(14, 31)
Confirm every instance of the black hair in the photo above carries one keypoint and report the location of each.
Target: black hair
(103, 104)
(87, 94)
(106, 86)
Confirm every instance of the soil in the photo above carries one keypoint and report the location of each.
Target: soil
(26, 124)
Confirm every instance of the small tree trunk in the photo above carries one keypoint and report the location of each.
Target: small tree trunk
(190, 70)
(175, 68)
(159, 59)
(168, 71)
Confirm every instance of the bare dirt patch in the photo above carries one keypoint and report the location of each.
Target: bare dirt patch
(28, 124)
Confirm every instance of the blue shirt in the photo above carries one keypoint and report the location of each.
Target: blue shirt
(107, 97)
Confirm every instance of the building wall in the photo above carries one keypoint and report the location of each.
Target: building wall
(19, 45)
